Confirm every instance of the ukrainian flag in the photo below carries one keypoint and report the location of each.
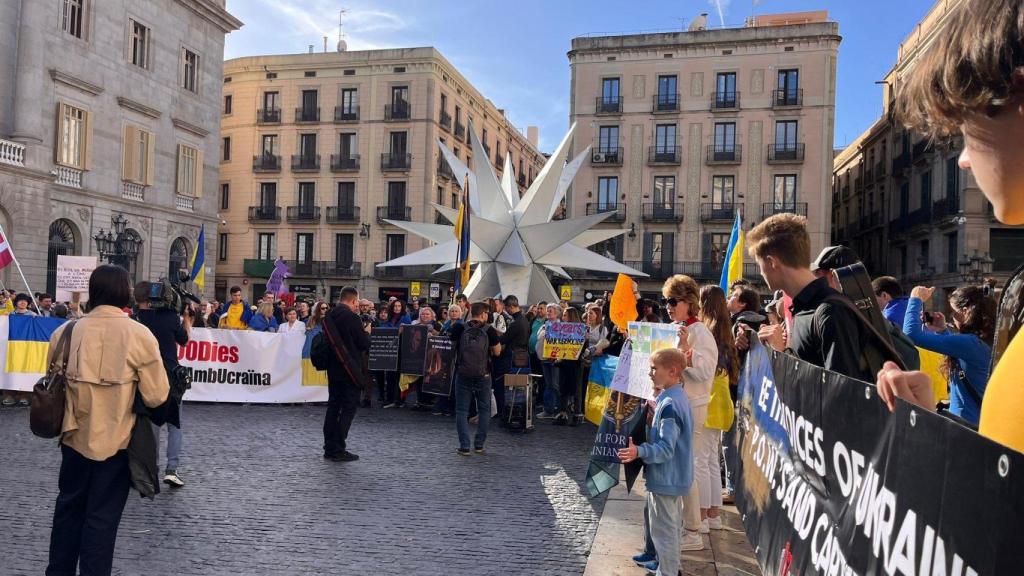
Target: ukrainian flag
(198, 259)
(732, 269)
(310, 375)
(462, 234)
(602, 370)
(28, 341)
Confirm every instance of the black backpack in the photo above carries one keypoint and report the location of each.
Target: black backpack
(473, 351)
(320, 351)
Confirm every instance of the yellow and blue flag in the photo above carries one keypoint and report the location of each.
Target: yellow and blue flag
(602, 370)
(199, 259)
(732, 268)
(462, 234)
(310, 375)
(28, 341)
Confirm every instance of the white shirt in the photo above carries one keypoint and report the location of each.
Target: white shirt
(698, 378)
(299, 326)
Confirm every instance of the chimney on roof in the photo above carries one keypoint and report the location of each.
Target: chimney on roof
(533, 135)
(310, 48)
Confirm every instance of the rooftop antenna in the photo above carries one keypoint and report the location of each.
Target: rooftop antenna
(342, 45)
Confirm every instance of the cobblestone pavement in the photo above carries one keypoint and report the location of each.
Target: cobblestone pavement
(261, 500)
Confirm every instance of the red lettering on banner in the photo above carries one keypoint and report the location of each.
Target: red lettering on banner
(203, 351)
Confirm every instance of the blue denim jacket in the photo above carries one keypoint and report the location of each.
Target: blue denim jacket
(668, 453)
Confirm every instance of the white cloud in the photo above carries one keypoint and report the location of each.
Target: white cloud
(364, 28)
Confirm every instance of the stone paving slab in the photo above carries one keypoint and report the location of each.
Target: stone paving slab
(260, 499)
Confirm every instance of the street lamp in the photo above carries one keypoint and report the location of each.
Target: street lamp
(975, 268)
(119, 245)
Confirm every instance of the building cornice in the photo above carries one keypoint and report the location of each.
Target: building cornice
(213, 12)
(74, 82)
(189, 127)
(137, 107)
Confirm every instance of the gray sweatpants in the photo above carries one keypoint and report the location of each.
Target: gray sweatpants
(665, 513)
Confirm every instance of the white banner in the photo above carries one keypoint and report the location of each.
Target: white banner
(243, 366)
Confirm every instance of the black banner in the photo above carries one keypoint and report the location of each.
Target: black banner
(383, 349)
(414, 348)
(437, 371)
(830, 482)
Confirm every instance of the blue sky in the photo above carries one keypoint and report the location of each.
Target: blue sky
(478, 37)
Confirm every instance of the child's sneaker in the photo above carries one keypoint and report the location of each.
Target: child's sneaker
(705, 527)
(644, 558)
(692, 541)
(716, 523)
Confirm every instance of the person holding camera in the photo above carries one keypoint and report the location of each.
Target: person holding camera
(170, 330)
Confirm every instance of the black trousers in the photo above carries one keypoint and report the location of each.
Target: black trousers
(88, 511)
(342, 402)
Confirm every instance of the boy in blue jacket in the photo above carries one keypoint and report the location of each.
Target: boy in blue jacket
(668, 458)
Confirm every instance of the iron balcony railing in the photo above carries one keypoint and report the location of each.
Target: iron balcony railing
(342, 214)
(607, 105)
(344, 163)
(266, 163)
(303, 214)
(445, 120)
(460, 130)
(606, 156)
(712, 211)
(268, 116)
(724, 154)
(444, 170)
(307, 114)
(264, 213)
(662, 212)
(664, 155)
(618, 210)
(346, 114)
(665, 103)
(785, 153)
(946, 207)
(423, 272)
(305, 162)
(398, 110)
(773, 208)
(390, 162)
(402, 213)
(787, 98)
(725, 100)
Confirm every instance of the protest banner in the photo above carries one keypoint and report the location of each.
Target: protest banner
(564, 340)
(621, 420)
(632, 375)
(383, 349)
(73, 277)
(413, 349)
(437, 370)
(830, 482)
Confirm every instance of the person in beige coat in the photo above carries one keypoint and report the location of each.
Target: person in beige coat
(111, 357)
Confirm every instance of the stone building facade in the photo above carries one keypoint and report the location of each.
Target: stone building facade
(319, 149)
(109, 109)
(687, 128)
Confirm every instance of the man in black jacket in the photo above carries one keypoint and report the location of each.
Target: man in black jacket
(515, 338)
(824, 333)
(343, 390)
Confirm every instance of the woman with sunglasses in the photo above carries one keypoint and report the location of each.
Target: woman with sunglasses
(682, 298)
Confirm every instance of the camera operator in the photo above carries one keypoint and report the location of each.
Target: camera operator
(170, 331)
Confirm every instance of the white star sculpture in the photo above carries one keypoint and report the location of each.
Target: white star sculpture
(513, 240)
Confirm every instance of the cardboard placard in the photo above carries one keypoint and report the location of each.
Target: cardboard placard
(73, 277)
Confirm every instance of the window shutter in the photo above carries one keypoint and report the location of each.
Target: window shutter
(87, 145)
(150, 158)
(198, 165)
(127, 133)
(668, 251)
(180, 180)
(58, 138)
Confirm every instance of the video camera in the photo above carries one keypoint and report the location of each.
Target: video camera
(170, 295)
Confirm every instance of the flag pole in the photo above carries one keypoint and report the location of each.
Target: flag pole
(16, 263)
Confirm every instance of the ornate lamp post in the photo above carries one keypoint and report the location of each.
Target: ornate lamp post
(118, 245)
(975, 268)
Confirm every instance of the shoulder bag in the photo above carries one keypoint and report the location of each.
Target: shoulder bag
(46, 417)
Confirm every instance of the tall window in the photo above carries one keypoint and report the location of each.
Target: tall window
(347, 145)
(271, 101)
(725, 90)
(725, 137)
(716, 245)
(225, 149)
(951, 260)
(607, 141)
(307, 197)
(784, 194)
(222, 246)
(307, 148)
(668, 93)
(139, 48)
(346, 198)
(664, 192)
(225, 196)
(398, 142)
(458, 115)
(926, 190)
(72, 145)
(269, 146)
(268, 195)
(304, 247)
(190, 70)
(227, 104)
(723, 191)
(610, 91)
(394, 246)
(396, 200)
(344, 249)
(61, 243)
(310, 110)
(607, 193)
(190, 171)
(177, 258)
(785, 136)
(138, 148)
(659, 251)
(72, 17)
(444, 102)
(665, 139)
(265, 246)
(400, 101)
(925, 256)
(789, 86)
(953, 180)
(349, 103)
(904, 198)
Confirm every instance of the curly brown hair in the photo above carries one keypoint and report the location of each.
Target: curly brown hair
(715, 315)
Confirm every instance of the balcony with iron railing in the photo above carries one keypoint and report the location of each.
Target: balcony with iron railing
(662, 212)
(900, 163)
(773, 208)
(920, 217)
(445, 120)
(440, 218)
(302, 214)
(345, 114)
(397, 111)
(268, 116)
(880, 170)
(719, 211)
(304, 268)
(787, 98)
(460, 130)
(306, 115)
(410, 272)
(606, 156)
(947, 207)
(604, 105)
(664, 155)
(898, 225)
(618, 210)
(344, 163)
(788, 153)
(858, 185)
(665, 103)
(266, 163)
(845, 192)
(444, 170)
(343, 214)
(399, 213)
(869, 176)
(717, 155)
(264, 213)
(704, 271)
(395, 161)
(723, 101)
(305, 162)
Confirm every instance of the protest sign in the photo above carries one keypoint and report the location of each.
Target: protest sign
(383, 349)
(632, 376)
(830, 482)
(564, 340)
(437, 370)
(621, 420)
(413, 349)
(73, 277)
